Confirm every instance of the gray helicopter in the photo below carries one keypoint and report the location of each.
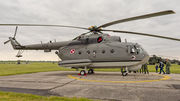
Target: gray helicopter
(96, 50)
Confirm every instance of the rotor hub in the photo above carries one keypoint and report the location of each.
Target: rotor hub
(94, 29)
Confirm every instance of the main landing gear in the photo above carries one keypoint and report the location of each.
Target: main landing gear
(90, 71)
(83, 72)
(124, 73)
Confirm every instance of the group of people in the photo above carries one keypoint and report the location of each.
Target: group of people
(161, 66)
(144, 68)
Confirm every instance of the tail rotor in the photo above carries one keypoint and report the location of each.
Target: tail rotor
(13, 37)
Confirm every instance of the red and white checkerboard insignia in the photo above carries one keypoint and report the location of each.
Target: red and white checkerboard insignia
(72, 51)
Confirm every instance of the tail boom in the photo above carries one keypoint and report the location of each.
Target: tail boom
(43, 46)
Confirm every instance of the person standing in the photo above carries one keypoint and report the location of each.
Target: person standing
(168, 64)
(142, 69)
(122, 70)
(161, 66)
(156, 68)
(146, 69)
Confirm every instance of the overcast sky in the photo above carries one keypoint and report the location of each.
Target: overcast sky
(86, 13)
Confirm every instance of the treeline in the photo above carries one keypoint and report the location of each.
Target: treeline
(155, 59)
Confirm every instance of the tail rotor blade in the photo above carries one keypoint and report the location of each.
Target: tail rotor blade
(6, 42)
(15, 31)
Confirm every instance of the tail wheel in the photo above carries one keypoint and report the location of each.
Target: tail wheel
(90, 71)
(124, 73)
(83, 72)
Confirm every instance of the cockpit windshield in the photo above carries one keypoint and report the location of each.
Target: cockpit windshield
(140, 48)
(135, 49)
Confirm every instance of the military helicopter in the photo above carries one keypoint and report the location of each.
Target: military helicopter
(96, 50)
(154, 59)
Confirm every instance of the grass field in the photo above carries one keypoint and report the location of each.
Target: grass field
(33, 67)
(9, 96)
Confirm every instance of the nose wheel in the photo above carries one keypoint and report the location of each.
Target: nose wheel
(125, 72)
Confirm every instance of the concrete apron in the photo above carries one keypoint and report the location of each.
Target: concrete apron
(100, 86)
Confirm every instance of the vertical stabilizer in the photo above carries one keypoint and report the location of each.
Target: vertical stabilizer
(14, 43)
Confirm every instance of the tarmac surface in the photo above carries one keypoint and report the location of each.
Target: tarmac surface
(106, 86)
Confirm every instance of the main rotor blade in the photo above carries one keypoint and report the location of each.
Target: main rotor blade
(42, 25)
(6, 42)
(143, 34)
(15, 31)
(137, 17)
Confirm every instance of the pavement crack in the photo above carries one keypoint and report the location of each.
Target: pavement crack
(63, 84)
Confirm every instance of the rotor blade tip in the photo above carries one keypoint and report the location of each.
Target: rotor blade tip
(171, 11)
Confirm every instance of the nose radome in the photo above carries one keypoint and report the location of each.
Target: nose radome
(145, 60)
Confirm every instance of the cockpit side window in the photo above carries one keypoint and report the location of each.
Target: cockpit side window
(137, 48)
(131, 49)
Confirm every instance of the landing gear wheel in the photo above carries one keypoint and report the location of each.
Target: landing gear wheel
(83, 72)
(90, 71)
(124, 73)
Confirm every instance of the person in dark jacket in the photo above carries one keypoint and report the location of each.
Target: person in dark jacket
(161, 66)
(156, 68)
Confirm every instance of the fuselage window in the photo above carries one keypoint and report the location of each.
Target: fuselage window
(79, 52)
(103, 51)
(94, 52)
(88, 52)
(112, 50)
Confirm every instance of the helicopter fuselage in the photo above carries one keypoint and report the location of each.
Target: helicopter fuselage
(102, 51)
